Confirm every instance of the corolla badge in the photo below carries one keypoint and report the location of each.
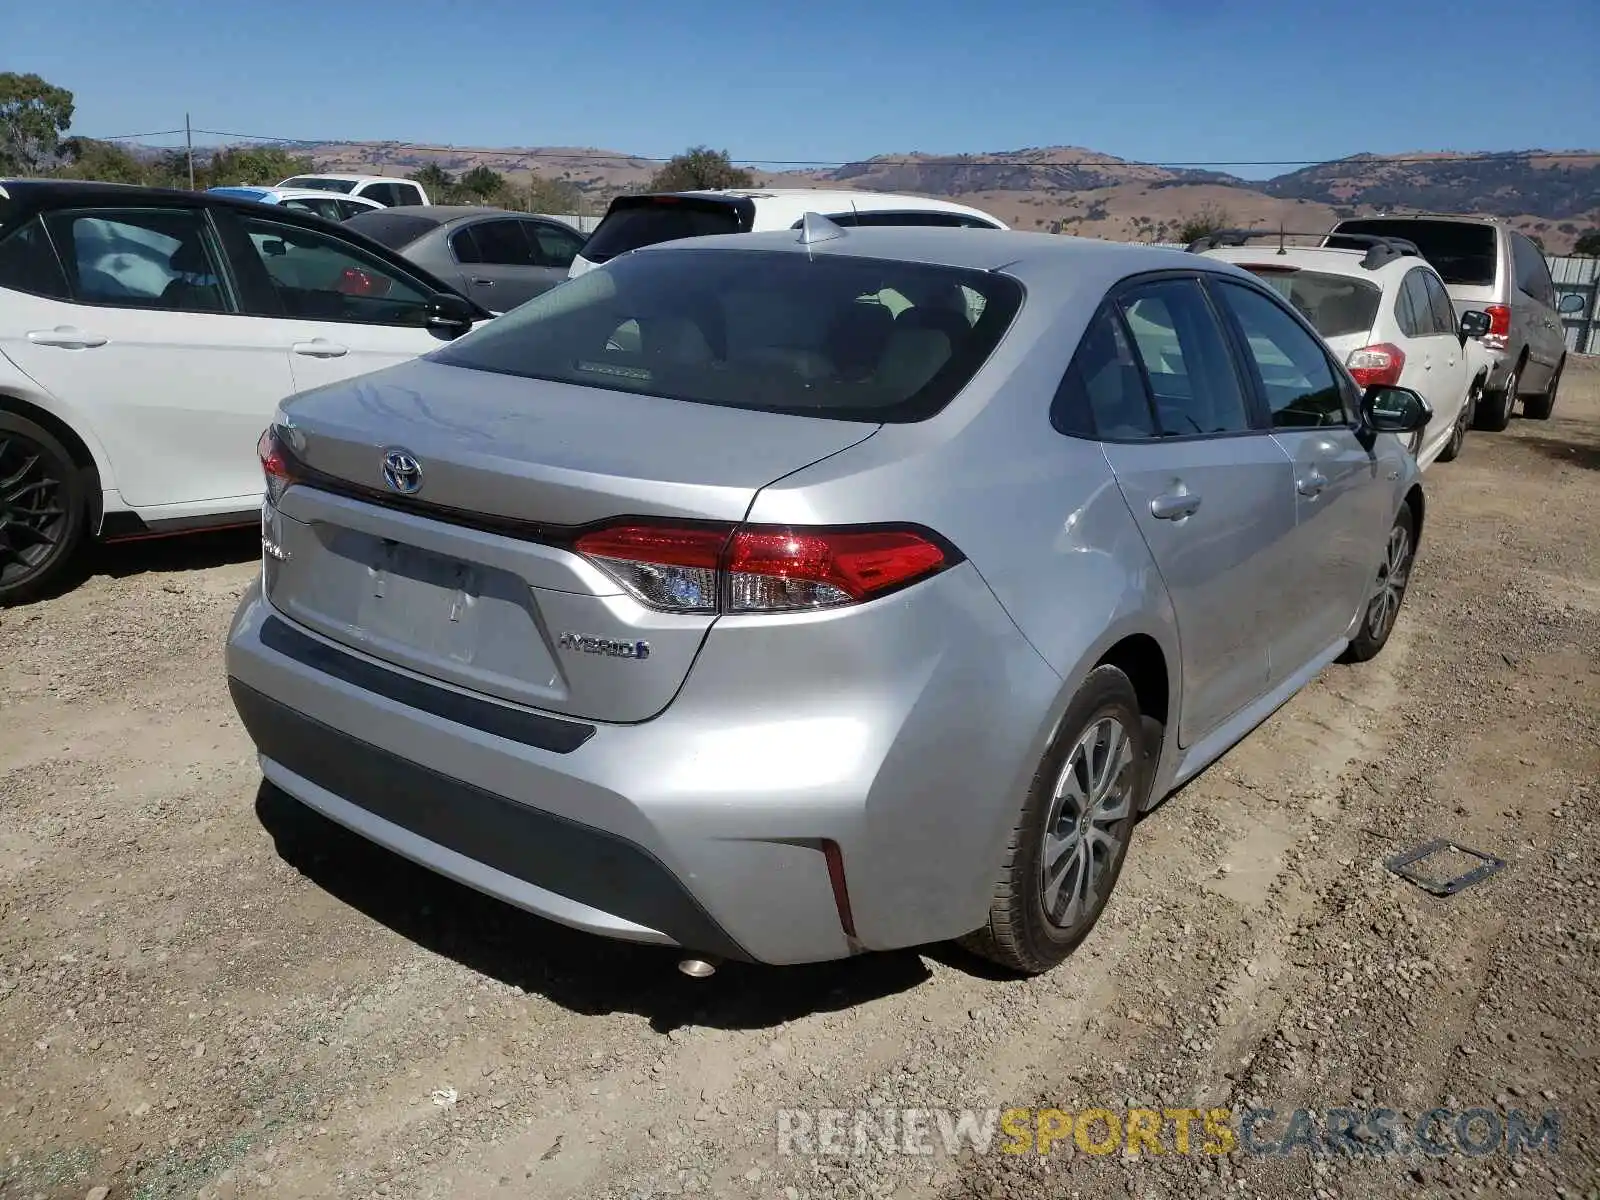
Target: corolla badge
(402, 472)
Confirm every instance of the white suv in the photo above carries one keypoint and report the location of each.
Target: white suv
(644, 220)
(1386, 314)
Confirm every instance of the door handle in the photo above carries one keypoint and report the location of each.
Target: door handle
(66, 337)
(482, 282)
(1174, 506)
(320, 349)
(1312, 484)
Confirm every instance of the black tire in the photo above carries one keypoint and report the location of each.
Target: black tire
(1458, 435)
(1494, 413)
(1377, 623)
(43, 509)
(1020, 934)
(1539, 408)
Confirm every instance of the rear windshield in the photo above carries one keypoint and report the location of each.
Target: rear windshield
(847, 338)
(1334, 304)
(632, 224)
(320, 184)
(390, 228)
(1461, 251)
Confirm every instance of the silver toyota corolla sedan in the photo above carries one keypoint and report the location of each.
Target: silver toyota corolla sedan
(786, 596)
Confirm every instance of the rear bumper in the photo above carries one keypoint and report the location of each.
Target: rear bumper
(704, 827)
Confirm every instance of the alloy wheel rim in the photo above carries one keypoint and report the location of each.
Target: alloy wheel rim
(1459, 435)
(1392, 578)
(32, 516)
(1093, 795)
(1510, 401)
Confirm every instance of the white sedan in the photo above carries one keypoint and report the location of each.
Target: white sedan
(1385, 312)
(146, 337)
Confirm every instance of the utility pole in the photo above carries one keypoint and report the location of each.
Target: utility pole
(188, 144)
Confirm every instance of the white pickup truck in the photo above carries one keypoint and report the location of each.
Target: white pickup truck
(385, 189)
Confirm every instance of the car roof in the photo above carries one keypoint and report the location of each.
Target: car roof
(351, 178)
(1460, 218)
(974, 249)
(1329, 259)
(802, 200)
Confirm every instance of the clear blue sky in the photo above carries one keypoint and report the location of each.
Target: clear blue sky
(1157, 80)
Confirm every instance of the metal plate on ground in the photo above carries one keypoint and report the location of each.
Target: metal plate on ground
(1408, 866)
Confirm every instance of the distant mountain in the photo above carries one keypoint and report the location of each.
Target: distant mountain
(1074, 190)
(1510, 184)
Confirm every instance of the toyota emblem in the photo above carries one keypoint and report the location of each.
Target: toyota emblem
(402, 472)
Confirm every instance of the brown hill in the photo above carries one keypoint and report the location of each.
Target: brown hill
(1552, 196)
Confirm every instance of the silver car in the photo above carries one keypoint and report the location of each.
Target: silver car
(789, 595)
(500, 259)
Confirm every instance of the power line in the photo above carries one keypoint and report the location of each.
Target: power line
(953, 162)
(129, 137)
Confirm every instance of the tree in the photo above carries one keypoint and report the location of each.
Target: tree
(262, 165)
(1208, 220)
(435, 180)
(482, 183)
(89, 158)
(1588, 243)
(33, 116)
(698, 168)
(552, 196)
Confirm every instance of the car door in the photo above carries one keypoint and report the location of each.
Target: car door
(555, 247)
(1211, 491)
(1340, 487)
(334, 309)
(500, 262)
(148, 344)
(1450, 367)
(1533, 302)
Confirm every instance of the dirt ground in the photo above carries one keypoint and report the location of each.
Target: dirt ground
(206, 991)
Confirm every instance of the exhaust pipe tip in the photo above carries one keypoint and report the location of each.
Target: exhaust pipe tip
(697, 968)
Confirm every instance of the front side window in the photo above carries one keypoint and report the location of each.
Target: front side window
(317, 277)
(1293, 372)
(154, 258)
(555, 247)
(762, 330)
(28, 263)
(1192, 377)
(406, 193)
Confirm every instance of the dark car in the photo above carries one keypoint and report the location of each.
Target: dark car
(500, 259)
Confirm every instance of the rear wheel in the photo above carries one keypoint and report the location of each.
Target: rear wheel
(1458, 434)
(1068, 847)
(1389, 590)
(1539, 408)
(1494, 414)
(43, 506)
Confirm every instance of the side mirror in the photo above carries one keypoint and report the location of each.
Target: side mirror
(1388, 409)
(1571, 302)
(449, 315)
(1474, 324)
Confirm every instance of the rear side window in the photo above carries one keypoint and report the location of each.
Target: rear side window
(1444, 313)
(1463, 252)
(156, 258)
(502, 244)
(28, 263)
(1336, 305)
(629, 226)
(1533, 276)
(773, 332)
(1413, 306)
(1103, 394)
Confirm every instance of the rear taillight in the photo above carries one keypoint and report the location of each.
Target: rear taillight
(1375, 365)
(276, 465)
(1499, 320)
(761, 568)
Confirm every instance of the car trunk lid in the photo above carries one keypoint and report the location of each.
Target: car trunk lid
(469, 577)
